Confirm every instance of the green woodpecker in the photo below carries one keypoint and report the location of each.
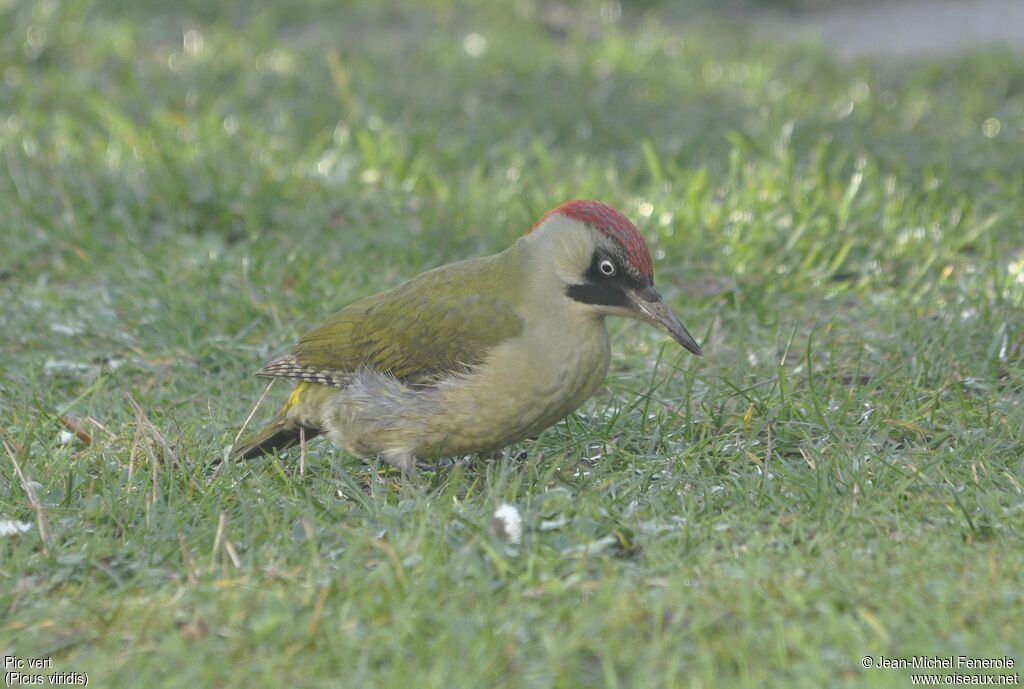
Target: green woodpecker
(476, 355)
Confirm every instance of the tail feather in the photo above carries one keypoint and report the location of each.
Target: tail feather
(279, 434)
(295, 418)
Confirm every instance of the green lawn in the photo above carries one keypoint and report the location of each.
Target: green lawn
(184, 190)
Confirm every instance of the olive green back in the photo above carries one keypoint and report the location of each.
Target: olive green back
(444, 320)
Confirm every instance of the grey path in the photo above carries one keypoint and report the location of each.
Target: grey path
(908, 28)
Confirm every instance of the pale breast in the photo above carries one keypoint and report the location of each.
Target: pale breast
(528, 384)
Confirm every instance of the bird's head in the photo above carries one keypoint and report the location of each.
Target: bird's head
(604, 265)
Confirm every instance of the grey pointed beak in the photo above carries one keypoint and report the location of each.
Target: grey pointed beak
(653, 309)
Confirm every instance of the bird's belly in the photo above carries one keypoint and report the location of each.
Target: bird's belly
(519, 398)
(523, 388)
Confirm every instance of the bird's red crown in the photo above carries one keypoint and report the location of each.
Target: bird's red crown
(613, 224)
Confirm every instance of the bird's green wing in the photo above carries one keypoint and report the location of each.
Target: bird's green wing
(443, 321)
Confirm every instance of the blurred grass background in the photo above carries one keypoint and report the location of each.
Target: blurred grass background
(186, 187)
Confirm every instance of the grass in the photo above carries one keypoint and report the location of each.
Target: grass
(185, 189)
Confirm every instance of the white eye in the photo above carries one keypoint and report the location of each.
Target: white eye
(606, 267)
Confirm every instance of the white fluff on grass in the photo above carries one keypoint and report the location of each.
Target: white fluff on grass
(507, 523)
(9, 527)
